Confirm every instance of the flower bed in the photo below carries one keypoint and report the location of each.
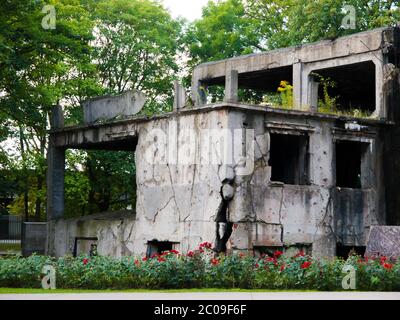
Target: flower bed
(202, 269)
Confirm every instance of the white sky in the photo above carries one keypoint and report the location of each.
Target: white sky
(189, 9)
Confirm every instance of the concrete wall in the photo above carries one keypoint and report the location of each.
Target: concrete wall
(318, 214)
(33, 238)
(181, 203)
(113, 231)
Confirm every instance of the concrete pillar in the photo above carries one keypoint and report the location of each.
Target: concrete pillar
(56, 118)
(55, 169)
(297, 85)
(231, 86)
(179, 96)
(313, 94)
(55, 181)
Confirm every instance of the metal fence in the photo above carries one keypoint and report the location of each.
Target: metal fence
(10, 229)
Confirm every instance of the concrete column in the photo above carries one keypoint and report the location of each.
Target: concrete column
(231, 86)
(313, 94)
(179, 96)
(55, 169)
(55, 181)
(56, 118)
(297, 85)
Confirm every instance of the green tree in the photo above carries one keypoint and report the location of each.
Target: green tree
(282, 23)
(39, 68)
(135, 48)
(223, 31)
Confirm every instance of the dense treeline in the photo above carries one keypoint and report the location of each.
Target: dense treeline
(66, 51)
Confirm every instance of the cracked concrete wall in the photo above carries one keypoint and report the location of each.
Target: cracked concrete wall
(179, 202)
(319, 215)
(113, 231)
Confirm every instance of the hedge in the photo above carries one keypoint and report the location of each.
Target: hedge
(202, 269)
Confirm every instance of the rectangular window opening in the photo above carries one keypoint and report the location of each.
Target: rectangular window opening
(344, 252)
(348, 89)
(158, 247)
(262, 251)
(349, 158)
(288, 158)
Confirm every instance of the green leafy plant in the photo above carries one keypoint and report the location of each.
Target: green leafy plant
(202, 268)
(286, 93)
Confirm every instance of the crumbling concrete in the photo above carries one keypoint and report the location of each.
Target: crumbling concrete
(204, 173)
(108, 108)
(384, 241)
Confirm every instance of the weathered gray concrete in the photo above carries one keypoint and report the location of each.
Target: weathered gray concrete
(384, 241)
(196, 181)
(34, 238)
(106, 108)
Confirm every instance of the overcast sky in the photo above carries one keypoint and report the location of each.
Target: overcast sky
(189, 9)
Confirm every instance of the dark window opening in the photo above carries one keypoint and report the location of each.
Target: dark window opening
(254, 87)
(354, 86)
(85, 246)
(344, 252)
(158, 247)
(261, 251)
(288, 158)
(349, 156)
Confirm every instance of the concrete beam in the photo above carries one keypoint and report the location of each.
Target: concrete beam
(363, 42)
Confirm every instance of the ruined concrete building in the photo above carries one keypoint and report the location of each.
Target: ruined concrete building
(249, 177)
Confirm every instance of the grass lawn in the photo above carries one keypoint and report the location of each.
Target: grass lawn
(33, 291)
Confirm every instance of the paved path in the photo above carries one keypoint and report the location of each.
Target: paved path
(210, 296)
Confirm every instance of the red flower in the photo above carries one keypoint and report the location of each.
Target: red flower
(257, 265)
(282, 267)
(271, 259)
(306, 265)
(144, 259)
(241, 255)
(160, 259)
(137, 262)
(85, 261)
(383, 260)
(174, 251)
(214, 261)
(277, 254)
(300, 254)
(206, 245)
(388, 266)
(190, 254)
